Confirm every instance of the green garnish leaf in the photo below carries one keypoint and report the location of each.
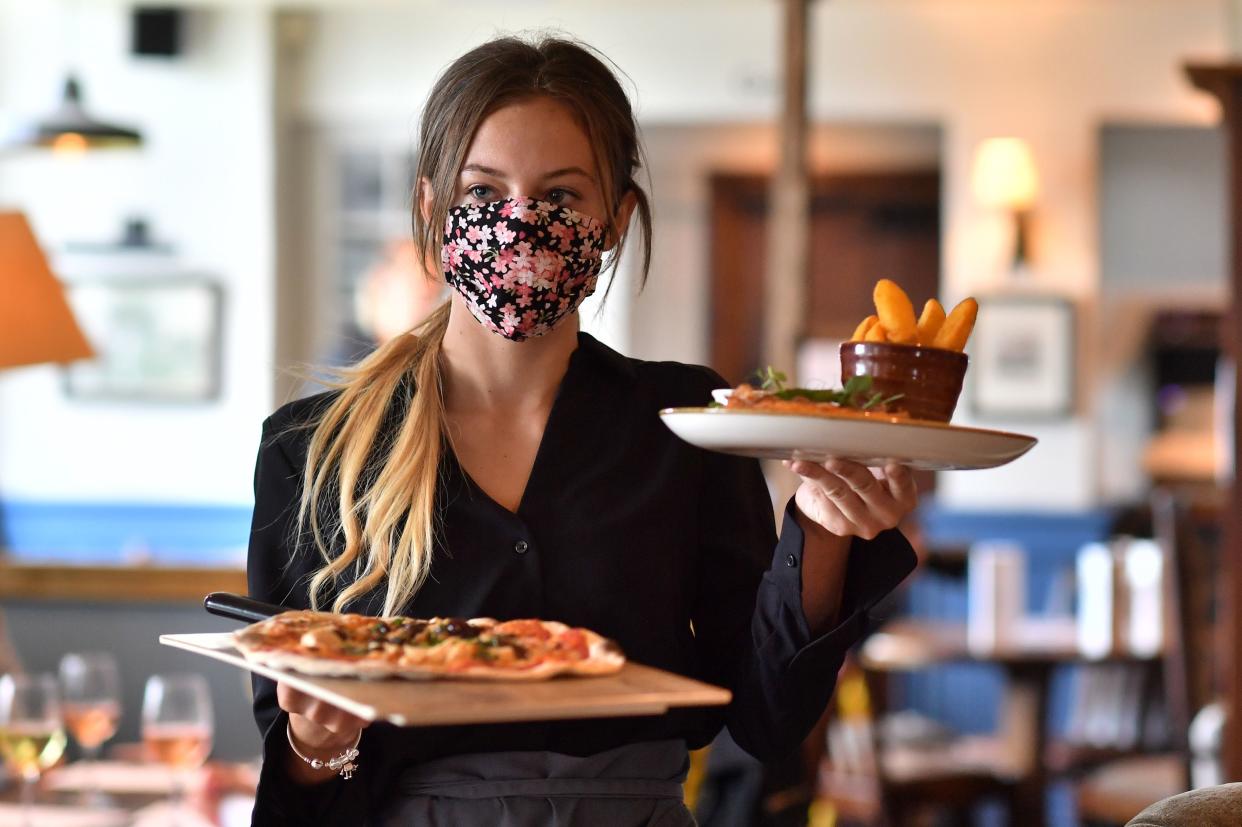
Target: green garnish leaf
(856, 385)
(771, 379)
(879, 400)
(855, 393)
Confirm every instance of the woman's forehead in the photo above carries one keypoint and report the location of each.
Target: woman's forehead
(530, 138)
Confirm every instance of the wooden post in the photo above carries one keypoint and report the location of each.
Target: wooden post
(1225, 82)
(788, 235)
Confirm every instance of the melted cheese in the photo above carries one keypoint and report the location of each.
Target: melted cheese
(324, 639)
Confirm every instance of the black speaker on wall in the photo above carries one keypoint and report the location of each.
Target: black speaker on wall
(156, 31)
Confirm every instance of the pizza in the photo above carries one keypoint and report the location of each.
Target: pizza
(354, 645)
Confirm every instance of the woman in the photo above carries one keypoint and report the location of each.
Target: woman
(498, 462)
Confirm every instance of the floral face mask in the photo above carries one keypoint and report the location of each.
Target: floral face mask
(522, 265)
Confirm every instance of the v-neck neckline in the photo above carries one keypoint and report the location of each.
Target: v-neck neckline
(541, 450)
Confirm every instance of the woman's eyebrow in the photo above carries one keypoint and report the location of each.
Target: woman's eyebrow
(556, 173)
(495, 173)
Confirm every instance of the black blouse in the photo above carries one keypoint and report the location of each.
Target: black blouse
(623, 528)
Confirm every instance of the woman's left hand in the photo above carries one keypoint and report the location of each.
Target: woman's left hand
(852, 500)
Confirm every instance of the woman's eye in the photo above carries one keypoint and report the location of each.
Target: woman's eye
(559, 196)
(479, 191)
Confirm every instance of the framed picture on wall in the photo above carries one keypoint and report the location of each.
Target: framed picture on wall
(1022, 358)
(156, 339)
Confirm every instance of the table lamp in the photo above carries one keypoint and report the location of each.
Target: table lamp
(1004, 176)
(36, 324)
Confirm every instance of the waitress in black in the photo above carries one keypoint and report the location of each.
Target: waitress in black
(497, 462)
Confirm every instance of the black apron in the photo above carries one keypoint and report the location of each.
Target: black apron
(638, 785)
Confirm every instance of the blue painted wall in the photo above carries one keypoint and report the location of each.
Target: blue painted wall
(103, 533)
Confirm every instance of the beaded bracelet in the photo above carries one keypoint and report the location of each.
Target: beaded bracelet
(342, 764)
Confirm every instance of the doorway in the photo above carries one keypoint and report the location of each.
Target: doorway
(864, 226)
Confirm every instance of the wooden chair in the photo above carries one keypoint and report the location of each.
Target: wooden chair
(1118, 790)
(871, 780)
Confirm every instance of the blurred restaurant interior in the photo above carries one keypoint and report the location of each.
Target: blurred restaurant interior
(234, 214)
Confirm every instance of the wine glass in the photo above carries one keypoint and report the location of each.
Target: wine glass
(90, 686)
(177, 725)
(32, 735)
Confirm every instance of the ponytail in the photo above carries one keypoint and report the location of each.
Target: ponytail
(381, 495)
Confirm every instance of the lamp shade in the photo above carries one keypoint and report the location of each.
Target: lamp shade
(1004, 174)
(36, 324)
(70, 128)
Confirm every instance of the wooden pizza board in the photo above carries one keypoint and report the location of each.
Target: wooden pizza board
(635, 690)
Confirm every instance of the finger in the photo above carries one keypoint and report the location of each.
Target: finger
(857, 476)
(837, 491)
(822, 478)
(884, 508)
(902, 485)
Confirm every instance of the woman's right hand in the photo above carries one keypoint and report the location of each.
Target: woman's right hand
(319, 729)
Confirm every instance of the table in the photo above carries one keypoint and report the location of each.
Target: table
(1028, 656)
(138, 794)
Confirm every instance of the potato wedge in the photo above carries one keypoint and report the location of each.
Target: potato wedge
(860, 332)
(930, 322)
(876, 333)
(896, 312)
(958, 325)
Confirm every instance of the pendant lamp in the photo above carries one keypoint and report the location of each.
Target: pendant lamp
(70, 128)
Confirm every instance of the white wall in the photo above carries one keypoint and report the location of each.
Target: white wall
(204, 178)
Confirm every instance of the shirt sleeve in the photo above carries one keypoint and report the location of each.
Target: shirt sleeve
(275, 574)
(750, 628)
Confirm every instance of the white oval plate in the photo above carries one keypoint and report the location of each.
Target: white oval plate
(872, 440)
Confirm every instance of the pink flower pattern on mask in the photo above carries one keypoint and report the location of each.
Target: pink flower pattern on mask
(522, 265)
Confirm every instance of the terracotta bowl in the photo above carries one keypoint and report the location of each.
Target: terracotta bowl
(929, 379)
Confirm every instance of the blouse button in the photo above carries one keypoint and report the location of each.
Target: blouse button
(521, 546)
(791, 561)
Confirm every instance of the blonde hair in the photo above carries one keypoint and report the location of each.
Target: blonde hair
(382, 485)
(372, 491)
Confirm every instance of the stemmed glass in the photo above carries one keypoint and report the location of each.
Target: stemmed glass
(91, 702)
(32, 735)
(177, 725)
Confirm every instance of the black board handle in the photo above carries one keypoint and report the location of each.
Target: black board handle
(237, 607)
